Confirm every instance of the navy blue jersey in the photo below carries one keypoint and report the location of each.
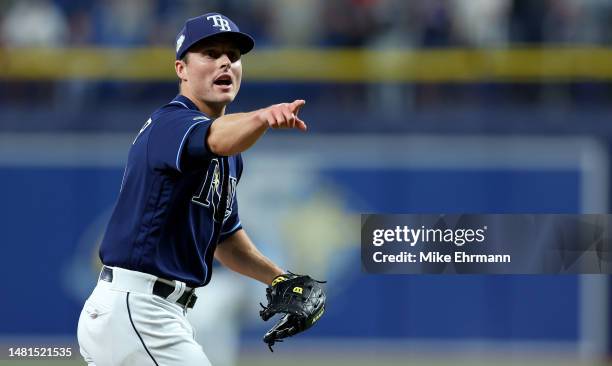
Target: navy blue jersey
(164, 220)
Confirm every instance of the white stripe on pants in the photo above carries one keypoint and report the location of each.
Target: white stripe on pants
(122, 323)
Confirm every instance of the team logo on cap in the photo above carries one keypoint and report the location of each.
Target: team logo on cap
(179, 42)
(219, 22)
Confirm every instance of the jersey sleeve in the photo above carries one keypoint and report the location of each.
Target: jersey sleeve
(239, 166)
(177, 139)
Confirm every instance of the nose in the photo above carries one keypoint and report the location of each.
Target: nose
(225, 61)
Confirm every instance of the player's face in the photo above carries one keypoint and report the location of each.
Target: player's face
(214, 72)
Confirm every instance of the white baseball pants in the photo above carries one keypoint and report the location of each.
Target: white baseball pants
(123, 323)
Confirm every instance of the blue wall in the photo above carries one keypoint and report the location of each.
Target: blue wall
(48, 215)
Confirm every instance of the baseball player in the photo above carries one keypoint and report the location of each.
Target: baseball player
(178, 208)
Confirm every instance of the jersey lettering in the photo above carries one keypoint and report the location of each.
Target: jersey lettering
(209, 195)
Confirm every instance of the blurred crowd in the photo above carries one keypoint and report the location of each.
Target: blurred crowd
(370, 24)
(276, 23)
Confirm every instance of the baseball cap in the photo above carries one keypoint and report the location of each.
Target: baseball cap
(209, 25)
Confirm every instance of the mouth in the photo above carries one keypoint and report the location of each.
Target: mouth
(223, 80)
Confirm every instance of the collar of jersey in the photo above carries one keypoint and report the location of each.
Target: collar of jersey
(185, 102)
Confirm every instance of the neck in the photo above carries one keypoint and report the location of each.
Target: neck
(213, 110)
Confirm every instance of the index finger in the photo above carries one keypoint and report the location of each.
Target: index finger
(296, 105)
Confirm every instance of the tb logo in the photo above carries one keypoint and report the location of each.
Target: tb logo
(219, 22)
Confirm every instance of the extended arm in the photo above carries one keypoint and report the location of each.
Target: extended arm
(239, 254)
(235, 133)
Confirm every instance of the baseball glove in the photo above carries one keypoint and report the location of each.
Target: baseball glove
(300, 298)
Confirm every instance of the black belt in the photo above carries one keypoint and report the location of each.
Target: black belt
(187, 299)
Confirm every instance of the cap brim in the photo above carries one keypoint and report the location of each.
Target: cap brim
(243, 41)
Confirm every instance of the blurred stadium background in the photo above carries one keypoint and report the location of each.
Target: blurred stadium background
(421, 106)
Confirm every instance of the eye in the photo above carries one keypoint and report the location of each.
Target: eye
(211, 53)
(233, 56)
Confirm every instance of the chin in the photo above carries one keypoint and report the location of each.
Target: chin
(226, 99)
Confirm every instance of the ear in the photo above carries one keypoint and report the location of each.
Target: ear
(180, 68)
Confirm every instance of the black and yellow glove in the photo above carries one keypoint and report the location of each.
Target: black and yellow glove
(300, 298)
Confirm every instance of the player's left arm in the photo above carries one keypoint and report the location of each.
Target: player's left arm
(299, 298)
(240, 254)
